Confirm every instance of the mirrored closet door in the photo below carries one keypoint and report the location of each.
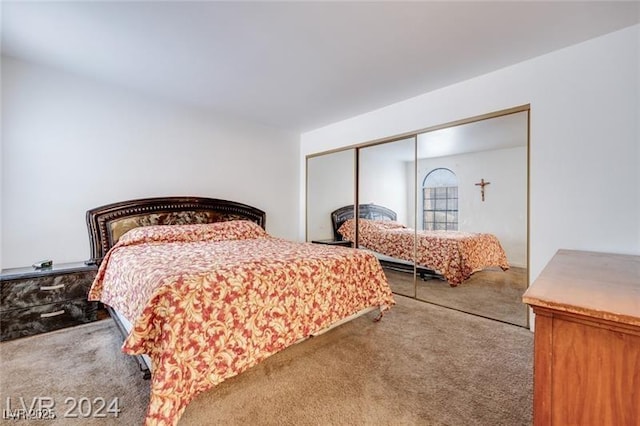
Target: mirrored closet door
(386, 204)
(445, 210)
(471, 180)
(330, 185)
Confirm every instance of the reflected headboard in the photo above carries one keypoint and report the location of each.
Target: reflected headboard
(365, 211)
(106, 224)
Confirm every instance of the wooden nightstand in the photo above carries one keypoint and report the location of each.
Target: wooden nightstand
(342, 243)
(34, 301)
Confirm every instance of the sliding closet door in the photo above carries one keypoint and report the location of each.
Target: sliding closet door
(386, 204)
(473, 178)
(330, 186)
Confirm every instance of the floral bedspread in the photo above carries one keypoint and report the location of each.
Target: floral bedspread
(454, 254)
(209, 301)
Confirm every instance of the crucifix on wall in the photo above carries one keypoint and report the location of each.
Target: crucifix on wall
(482, 184)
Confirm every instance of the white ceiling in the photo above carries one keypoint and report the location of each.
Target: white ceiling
(296, 65)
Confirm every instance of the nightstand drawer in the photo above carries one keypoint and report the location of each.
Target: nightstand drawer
(40, 319)
(35, 291)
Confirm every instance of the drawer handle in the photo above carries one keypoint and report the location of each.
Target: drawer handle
(51, 287)
(52, 314)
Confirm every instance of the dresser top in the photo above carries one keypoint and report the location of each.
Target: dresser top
(31, 272)
(598, 285)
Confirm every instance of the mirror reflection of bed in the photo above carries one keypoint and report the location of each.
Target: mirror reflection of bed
(483, 282)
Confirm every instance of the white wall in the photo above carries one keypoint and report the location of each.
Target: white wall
(504, 211)
(383, 177)
(584, 174)
(330, 185)
(70, 144)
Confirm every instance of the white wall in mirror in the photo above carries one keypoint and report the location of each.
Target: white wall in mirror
(384, 177)
(330, 185)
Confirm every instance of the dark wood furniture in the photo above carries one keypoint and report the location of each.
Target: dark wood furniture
(587, 340)
(34, 301)
(341, 243)
(106, 224)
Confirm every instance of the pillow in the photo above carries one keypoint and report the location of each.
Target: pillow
(218, 231)
(346, 230)
(386, 224)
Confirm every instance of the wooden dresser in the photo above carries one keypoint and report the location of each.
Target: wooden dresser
(36, 301)
(587, 340)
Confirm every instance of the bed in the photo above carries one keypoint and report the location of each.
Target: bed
(204, 292)
(455, 255)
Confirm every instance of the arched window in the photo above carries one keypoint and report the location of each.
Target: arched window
(440, 200)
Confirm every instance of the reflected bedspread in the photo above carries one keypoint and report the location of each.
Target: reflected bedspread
(454, 254)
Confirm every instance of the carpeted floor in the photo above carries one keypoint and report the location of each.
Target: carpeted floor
(422, 364)
(491, 293)
(79, 362)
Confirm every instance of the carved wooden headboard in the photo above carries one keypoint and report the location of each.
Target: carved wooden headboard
(365, 211)
(106, 224)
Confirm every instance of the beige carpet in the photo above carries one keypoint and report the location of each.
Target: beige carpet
(491, 293)
(422, 364)
(79, 362)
